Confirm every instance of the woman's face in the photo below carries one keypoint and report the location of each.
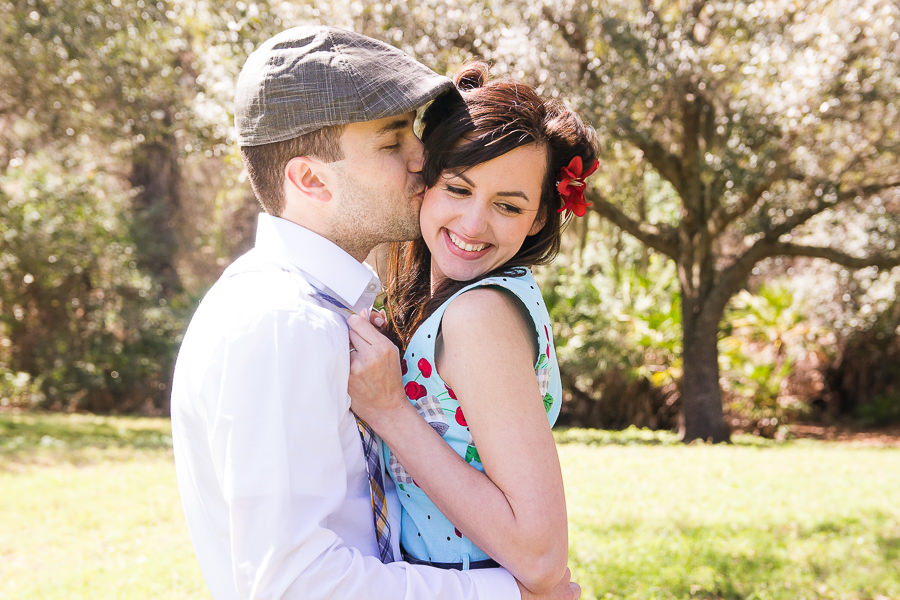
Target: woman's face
(476, 220)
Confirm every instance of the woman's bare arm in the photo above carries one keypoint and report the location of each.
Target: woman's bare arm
(515, 511)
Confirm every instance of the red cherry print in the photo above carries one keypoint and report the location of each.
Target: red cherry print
(449, 391)
(403, 367)
(547, 333)
(460, 418)
(425, 367)
(456, 531)
(414, 391)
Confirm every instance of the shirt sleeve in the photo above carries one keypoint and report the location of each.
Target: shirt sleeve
(281, 466)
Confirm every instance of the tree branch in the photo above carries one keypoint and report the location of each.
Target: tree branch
(724, 216)
(576, 41)
(882, 261)
(802, 216)
(733, 277)
(661, 238)
(668, 164)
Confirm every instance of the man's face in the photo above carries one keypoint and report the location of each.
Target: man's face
(377, 186)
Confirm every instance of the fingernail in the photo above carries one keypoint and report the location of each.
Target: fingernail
(379, 321)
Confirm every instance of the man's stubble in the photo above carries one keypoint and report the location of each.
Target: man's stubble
(370, 216)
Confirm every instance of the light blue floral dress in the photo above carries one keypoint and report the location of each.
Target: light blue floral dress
(425, 534)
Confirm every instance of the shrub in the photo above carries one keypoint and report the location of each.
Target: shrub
(78, 317)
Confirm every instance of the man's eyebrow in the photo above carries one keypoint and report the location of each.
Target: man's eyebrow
(398, 124)
(504, 194)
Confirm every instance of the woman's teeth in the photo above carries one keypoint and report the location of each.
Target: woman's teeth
(464, 246)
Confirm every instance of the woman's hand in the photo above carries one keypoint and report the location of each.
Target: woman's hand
(376, 385)
(378, 318)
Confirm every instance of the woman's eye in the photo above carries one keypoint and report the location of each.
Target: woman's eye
(510, 208)
(456, 191)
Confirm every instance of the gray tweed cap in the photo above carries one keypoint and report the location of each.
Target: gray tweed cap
(306, 78)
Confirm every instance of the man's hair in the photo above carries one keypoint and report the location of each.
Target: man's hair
(265, 163)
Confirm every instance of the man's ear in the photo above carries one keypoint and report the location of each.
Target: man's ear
(304, 174)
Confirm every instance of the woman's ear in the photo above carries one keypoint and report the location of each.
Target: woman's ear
(538, 224)
(302, 173)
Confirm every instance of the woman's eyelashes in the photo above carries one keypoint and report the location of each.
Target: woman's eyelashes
(456, 190)
(509, 208)
(463, 192)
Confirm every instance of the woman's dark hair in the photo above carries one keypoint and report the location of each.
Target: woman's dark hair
(484, 121)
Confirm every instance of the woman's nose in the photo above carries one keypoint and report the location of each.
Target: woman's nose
(473, 220)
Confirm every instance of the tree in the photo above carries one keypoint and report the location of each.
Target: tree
(773, 123)
(770, 120)
(100, 113)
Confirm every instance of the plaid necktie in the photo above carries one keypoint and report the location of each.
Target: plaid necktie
(371, 452)
(376, 485)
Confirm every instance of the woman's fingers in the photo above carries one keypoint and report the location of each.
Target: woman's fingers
(362, 327)
(357, 342)
(369, 343)
(378, 318)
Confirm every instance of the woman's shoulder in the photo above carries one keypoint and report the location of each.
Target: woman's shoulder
(479, 303)
(517, 281)
(482, 310)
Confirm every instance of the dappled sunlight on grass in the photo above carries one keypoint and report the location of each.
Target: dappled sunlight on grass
(53, 438)
(781, 521)
(601, 437)
(634, 436)
(90, 509)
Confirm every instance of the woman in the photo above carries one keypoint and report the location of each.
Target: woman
(502, 164)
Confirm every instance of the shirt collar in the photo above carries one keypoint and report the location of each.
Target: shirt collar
(325, 262)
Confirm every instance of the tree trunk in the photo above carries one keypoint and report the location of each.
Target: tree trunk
(701, 394)
(155, 174)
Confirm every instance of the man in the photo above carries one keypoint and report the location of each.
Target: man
(271, 463)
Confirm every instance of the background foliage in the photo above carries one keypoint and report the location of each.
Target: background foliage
(737, 138)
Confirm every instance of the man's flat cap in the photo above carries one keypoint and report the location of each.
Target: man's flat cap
(306, 78)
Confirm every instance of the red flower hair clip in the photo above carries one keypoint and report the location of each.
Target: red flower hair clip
(571, 186)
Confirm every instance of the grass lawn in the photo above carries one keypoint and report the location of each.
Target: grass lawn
(89, 509)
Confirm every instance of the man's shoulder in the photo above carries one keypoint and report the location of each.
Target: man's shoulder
(253, 293)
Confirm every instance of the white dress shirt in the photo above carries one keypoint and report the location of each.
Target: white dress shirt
(268, 455)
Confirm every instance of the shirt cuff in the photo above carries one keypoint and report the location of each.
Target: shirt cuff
(494, 583)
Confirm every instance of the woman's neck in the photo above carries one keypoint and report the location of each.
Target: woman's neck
(436, 278)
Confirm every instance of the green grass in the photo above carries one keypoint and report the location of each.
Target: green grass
(89, 509)
(754, 520)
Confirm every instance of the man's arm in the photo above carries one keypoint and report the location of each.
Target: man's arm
(282, 441)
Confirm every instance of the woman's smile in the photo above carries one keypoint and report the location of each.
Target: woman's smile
(464, 248)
